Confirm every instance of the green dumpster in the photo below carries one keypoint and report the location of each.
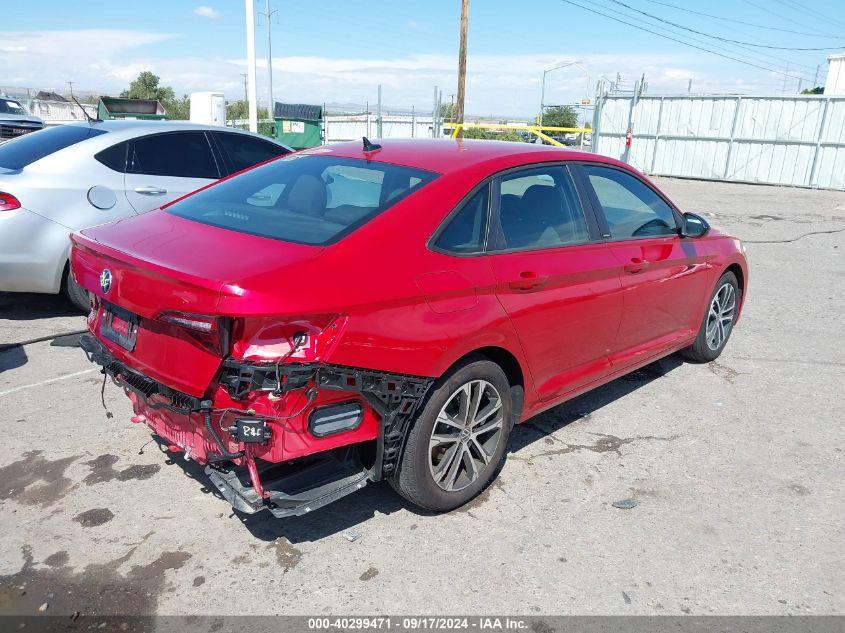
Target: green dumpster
(120, 108)
(298, 125)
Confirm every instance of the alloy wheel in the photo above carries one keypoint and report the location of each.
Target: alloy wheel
(465, 435)
(720, 317)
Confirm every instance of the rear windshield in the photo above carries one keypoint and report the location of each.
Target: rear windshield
(8, 106)
(303, 198)
(26, 149)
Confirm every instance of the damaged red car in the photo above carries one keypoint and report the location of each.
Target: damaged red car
(359, 312)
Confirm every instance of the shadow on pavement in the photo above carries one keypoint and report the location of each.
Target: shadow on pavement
(12, 357)
(379, 498)
(28, 307)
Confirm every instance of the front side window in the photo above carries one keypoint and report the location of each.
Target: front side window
(25, 150)
(303, 198)
(178, 154)
(539, 208)
(632, 208)
(245, 151)
(466, 229)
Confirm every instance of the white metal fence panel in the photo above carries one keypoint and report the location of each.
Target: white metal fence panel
(797, 140)
(354, 126)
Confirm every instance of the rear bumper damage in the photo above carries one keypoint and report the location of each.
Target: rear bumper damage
(247, 481)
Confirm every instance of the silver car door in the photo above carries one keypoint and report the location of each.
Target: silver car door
(162, 167)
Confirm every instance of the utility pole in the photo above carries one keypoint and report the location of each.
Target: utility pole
(378, 114)
(462, 64)
(246, 90)
(816, 78)
(434, 114)
(689, 85)
(252, 92)
(70, 83)
(270, 102)
(785, 77)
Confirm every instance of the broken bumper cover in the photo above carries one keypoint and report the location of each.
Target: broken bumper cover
(396, 398)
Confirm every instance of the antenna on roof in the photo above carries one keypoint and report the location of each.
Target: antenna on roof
(369, 146)
(87, 116)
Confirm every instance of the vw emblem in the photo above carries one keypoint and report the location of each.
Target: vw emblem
(105, 280)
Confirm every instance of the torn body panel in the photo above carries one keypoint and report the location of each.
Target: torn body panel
(274, 401)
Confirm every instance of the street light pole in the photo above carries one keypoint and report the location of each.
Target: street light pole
(268, 14)
(252, 92)
(578, 65)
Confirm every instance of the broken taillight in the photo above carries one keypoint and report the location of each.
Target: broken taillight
(212, 332)
(195, 322)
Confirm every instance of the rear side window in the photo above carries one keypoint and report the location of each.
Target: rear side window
(114, 157)
(26, 149)
(466, 229)
(632, 208)
(539, 208)
(245, 151)
(303, 198)
(179, 154)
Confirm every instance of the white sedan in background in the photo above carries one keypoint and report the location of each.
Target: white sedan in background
(70, 177)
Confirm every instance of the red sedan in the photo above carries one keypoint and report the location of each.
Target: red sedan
(354, 313)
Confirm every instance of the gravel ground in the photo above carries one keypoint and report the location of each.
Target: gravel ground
(736, 469)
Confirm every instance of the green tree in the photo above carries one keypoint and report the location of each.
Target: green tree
(447, 111)
(560, 116)
(818, 90)
(492, 135)
(239, 111)
(147, 86)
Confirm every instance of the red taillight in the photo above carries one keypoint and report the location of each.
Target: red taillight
(8, 202)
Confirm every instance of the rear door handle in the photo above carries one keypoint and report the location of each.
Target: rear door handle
(528, 280)
(637, 265)
(150, 191)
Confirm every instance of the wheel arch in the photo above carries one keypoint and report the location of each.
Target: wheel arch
(509, 364)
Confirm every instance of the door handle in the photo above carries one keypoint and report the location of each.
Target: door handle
(637, 265)
(528, 280)
(150, 191)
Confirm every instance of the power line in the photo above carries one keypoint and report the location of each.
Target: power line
(722, 39)
(673, 39)
(742, 22)
(754, 55)
(779, 15)
(809, 10)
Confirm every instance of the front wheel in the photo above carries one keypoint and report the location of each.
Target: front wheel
(458, 441)
(718, 322)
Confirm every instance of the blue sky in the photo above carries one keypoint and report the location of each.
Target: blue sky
(340, 51)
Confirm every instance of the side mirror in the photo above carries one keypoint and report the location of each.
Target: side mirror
(694, 225)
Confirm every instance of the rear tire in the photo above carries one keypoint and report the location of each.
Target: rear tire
(457, 443)
(75, 293)
(717, 325)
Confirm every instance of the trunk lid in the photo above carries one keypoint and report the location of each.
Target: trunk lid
(161, 263)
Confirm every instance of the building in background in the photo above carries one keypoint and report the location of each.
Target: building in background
(835, 83)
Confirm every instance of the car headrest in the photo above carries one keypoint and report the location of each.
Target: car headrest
(542, 203)
(308, 195)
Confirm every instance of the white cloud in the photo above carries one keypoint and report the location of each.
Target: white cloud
(207, 12)
(107, 60)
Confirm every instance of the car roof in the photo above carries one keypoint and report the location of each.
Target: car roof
(452, 154)
(138, 127)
